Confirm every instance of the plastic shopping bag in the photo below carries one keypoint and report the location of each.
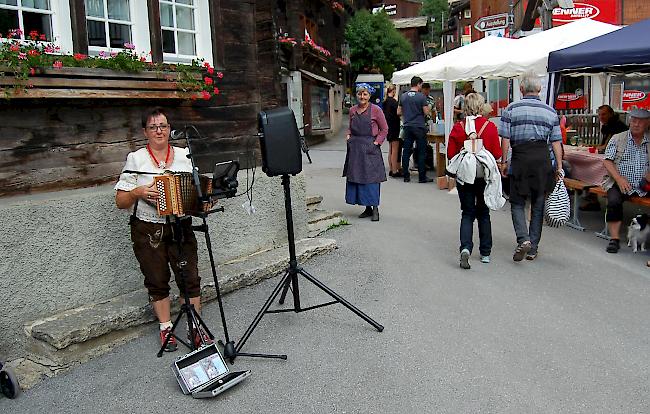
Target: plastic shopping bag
(558, 205)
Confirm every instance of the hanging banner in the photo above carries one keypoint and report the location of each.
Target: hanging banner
(635, 99)
(606, 11)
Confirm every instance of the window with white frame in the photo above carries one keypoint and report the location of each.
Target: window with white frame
(179, 28)
(28, 16)
(468, 14)
(185, 29)
(109, 23)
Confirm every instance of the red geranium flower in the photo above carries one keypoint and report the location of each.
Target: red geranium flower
(58, 64)
(206, 64)
(79, 56)
(211, 71)
(33, 52)
(217, 91)
(32, 71)
(43, 37)
(220, 75)
(208, 81)
(205, 95)
(14, 48)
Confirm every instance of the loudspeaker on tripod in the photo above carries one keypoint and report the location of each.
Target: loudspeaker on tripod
(279, 142)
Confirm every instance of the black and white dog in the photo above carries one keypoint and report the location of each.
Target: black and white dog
(638, 232)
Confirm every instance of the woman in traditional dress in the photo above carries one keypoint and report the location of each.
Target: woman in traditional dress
(364, 163)
(151, 234)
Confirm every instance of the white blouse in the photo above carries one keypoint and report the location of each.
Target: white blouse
(141, 161)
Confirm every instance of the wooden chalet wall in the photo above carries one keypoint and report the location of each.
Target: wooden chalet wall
(268, 67)
(53, 144)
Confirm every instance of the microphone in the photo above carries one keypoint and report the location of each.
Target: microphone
(177, 134)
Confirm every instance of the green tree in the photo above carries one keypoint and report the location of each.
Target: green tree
(375, 44)
(439, 10)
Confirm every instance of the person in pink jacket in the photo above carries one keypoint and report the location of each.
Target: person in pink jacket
(364, 163)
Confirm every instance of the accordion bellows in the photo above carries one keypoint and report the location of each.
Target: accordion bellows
(177, 194)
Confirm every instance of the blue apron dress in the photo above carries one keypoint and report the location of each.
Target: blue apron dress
(364, 163)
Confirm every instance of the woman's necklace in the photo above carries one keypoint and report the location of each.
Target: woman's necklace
(160, 164)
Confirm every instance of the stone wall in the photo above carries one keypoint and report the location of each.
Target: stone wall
(65, 249)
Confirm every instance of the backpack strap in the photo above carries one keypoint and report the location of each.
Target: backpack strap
(487, 121)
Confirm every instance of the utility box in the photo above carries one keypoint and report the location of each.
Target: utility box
(377, 82)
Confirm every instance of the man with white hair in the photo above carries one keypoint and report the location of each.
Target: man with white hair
(529, 126)
(626, 162)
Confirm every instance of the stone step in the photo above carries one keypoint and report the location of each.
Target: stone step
(313, 201)
(76, 335)
(319, 221)
(318, 215)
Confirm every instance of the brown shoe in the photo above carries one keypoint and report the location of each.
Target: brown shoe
(521, 251)
(531, 256)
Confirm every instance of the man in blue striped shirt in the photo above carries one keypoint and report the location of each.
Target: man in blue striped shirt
(529, 126)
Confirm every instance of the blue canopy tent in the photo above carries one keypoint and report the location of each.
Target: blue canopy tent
(626, 50)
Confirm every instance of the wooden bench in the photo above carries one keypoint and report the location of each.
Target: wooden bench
(599, 191)
(578, 187)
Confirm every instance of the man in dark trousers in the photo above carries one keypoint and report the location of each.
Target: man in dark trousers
(529, 126)
(413, 108)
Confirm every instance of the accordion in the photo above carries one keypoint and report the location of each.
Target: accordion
(177, 194)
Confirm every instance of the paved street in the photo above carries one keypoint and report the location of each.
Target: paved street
(567, 333)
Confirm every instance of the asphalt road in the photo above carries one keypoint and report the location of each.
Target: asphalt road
(567, 333)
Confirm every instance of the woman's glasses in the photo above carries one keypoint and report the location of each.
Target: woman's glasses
(154, 128)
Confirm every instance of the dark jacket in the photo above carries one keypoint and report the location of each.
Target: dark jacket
(613, 127)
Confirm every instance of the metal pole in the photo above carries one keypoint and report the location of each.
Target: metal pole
(511, 18)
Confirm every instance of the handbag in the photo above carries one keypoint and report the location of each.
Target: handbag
(557, 210)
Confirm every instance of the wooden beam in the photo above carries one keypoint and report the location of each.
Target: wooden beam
(105, 73)
(155, 31)
(100, 94)
(79, 29)
(93, 83)
(217, 34)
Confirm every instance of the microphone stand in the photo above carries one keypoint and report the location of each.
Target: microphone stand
(229, 351)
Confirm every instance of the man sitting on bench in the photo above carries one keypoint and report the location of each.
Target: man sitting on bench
(626, 161)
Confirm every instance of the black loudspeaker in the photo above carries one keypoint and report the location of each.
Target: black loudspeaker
(280, 142)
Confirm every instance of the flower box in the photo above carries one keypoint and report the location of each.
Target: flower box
(97, 83)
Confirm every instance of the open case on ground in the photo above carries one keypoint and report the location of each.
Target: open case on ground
(204, 373)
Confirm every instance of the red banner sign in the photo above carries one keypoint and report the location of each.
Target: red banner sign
(633, 96)
(568, 97)
(606, 11)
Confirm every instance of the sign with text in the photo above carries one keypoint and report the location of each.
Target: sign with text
(496, 21)
(605, 11)
(633, 98)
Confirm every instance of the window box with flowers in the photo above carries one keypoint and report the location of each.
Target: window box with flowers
(314, 49)
(36, 69)
(338, 7)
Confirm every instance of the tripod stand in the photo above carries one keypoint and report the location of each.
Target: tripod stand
(194, 322)
(290, 280)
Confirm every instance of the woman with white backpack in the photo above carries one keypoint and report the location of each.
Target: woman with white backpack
(473, 148)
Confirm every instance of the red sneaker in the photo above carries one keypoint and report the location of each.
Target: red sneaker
(171, 344)
(196, 338)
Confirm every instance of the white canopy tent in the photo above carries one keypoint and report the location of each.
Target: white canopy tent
(495, 57)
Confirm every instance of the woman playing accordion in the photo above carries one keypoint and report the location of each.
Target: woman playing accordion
(153, 242)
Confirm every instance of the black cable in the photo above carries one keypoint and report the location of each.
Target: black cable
(251, 161)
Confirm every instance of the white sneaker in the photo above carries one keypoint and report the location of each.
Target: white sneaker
(464, 259)
(485, 259)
